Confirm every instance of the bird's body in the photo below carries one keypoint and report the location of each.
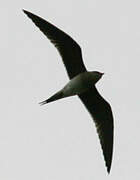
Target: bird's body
(76, 86)
(79, 84)
(82, 83)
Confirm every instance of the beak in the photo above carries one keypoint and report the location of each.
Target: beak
(102, 74)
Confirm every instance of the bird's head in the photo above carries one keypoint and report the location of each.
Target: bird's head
(96, 76)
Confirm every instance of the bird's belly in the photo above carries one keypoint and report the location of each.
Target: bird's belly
(74, 88)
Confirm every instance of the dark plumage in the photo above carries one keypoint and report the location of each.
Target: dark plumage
(99, 109)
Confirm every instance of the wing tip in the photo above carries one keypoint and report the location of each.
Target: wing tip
(25, 11)
(108, 169)
(108, 165)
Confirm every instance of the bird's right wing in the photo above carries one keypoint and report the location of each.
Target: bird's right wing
(101, 112)
(69, 50)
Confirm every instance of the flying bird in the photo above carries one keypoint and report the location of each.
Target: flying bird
(82, 83)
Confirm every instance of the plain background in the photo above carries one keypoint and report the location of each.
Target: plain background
(59, 141)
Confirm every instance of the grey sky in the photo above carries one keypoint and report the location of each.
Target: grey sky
(59, 140)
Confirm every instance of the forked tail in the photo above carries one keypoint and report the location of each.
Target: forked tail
(55, 97)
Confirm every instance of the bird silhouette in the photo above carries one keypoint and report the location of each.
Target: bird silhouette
(82, 83)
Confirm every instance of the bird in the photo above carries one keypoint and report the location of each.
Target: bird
(82, 83)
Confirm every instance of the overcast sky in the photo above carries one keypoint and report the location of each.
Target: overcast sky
(59, 141)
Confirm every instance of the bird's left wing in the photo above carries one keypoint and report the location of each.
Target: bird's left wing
(68, 48)
(101, 113)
